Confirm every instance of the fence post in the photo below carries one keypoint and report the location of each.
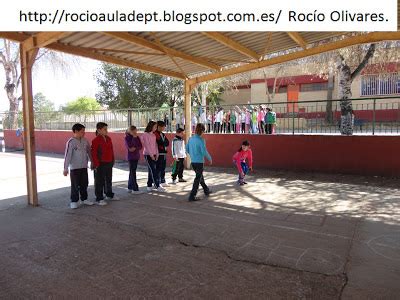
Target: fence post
(293, 118)
(373, 118)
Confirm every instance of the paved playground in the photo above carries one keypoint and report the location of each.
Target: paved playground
(284, 235)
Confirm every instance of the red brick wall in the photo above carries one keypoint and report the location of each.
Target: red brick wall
(373, 155)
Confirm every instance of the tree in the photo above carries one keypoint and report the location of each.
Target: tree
(208, 93)
(278, 74)
(346, 77)
(80, 105)
(42, 104)
(347, 64)
(44, 110)
(122, 87)
(85, 106)
(9, 59)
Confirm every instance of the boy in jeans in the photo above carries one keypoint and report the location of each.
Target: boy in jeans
(179, 154)
(162, 144)
(77, 155)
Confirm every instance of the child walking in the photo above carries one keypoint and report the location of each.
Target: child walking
(77, 154)
(133, 145)
(150, 152)
(197, 150)
(179, 154)
(243, 159)
(103, 162)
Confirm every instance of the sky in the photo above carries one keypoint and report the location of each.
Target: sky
(58, 87)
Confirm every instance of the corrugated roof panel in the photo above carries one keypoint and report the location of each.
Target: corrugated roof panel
(194, 44)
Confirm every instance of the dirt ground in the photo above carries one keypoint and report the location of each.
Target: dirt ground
(284, 235)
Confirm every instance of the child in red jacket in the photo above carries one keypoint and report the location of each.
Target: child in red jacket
(102, 164)
(243, 159)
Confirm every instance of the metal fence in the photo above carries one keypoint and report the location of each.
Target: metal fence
(371, 116)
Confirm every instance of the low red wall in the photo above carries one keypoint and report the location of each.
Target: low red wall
(373, 155)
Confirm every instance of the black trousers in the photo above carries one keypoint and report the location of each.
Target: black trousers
(103, 181)
(79, 184)
(152, 177)
(268, 128)
(132, 184)
(243, 128)
(198, 180)
(217, 127)
(179, 169)
(160, 168)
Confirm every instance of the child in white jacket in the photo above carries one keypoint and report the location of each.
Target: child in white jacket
(179, 154)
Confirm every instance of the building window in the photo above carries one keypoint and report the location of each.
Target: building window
(278, 90)
(313, 87)
(380, 84)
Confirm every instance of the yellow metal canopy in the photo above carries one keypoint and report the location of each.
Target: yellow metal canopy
(187, 55)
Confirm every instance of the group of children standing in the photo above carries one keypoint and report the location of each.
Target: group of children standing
(154, 145)
(242, 120)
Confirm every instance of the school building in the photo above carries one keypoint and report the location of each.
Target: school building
(297, 86)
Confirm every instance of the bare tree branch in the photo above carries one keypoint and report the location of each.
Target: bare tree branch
(368, 55)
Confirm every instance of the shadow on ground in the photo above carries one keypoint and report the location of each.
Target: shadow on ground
(284, 235)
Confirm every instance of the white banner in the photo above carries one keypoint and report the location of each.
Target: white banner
(178, 15)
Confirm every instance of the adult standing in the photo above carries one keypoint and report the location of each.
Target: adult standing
(197, 150)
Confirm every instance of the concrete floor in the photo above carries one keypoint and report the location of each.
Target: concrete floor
(284, 235)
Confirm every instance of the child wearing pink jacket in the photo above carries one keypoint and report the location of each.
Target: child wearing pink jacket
(150, 153)
(243, 159)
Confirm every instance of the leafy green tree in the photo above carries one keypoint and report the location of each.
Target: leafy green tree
(128, 88)
(82, 107)
(44, 110)
(81, 104)
(42, 104)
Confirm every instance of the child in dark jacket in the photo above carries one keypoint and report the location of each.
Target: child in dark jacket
(243, 159)
(162, 144)
(133, 145)
(103, 162)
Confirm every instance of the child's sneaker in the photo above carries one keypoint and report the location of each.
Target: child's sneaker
(149, 189)
(101, 202)
(115, 198)
(160, 189)
(87, 202)
(244, 182)
(73, 205)
(173, 181)
(241, 183)
(130, 191)
(182, 180)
